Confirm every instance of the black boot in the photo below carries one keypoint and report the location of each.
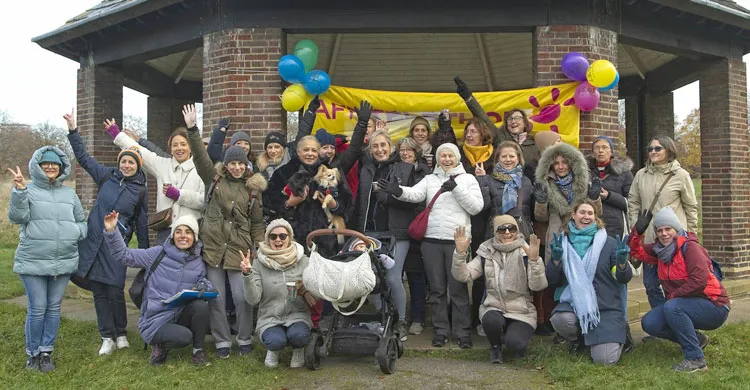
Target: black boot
(629, 344)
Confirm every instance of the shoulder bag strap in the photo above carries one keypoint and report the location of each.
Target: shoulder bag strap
(658, 193)
(434, 198)
(154, 265)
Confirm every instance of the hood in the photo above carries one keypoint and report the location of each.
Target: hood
(353, 241)
(175, 253)
(253, 181)
(578, 166)
(457, 170)
(37, 174)
(618, 165)
(672, 166)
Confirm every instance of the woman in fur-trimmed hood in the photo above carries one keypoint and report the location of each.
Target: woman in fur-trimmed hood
(562, 180)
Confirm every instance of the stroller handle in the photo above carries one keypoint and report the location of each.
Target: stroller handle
(343, 232)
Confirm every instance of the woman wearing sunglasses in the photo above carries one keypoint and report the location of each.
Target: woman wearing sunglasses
(512, 270)
(661, 183)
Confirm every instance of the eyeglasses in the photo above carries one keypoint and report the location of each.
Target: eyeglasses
(656, 149)
(601, 147)
(280, 236)
(515, 119)
(506, 228)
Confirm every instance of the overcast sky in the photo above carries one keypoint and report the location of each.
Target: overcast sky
(37, 85)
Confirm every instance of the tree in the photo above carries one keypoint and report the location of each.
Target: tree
(688, 136)
(5, 117)
(136, 123)
(54, 135)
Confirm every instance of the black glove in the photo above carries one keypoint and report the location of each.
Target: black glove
(595, 188)
(224, 122)
(644, 219)
(363, 112)
(540, 192)
(462, 89)
(314, 104)
(448, 185)
(444, 124)
(390, 187)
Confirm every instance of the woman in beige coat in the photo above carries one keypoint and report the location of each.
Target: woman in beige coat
(512, 270)
(678, 193)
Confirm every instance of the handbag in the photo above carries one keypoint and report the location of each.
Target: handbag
(161, 220)
(139, 283)
(340, 283)
(418, 227)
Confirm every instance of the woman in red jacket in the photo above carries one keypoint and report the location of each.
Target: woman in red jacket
(695, 297)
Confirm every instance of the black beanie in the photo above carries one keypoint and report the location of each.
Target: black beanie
(275, 137)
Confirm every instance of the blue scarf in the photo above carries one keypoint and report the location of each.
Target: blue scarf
(512, 182)
(565, 184)
(579, 272)
(581, 239)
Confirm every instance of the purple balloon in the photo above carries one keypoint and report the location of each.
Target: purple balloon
(574, 66)
(586, 96)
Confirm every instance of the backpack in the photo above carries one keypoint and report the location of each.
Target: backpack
(127, 231)
(715, 267)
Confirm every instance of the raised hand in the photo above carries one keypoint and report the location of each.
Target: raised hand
(540, 192)
(532, 248)
(644, 219)
(444, 120)
(110, 221)
(70, 120)
(224, 124)
(390, 187)
(18, 179)
(132, 135)
(462, 89)
(111, 126)
(247, 262)
(462, 242)
(188, 113)
(479, 170)
(363, 112)
(314, 104)
(595, 188)
(622, 251)
(556, 246)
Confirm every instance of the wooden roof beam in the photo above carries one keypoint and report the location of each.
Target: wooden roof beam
(334, 55)
(186, 59)
(633, 56)
(483, 59)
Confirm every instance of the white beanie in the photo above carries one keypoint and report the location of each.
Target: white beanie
(667, 217)
(451, 147)
(279, 223)
(187, 220)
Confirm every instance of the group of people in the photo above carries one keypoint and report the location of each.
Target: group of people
(540, 231)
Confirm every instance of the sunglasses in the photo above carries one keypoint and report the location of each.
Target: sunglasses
(506, 228)
(280, 236)
(655, 149)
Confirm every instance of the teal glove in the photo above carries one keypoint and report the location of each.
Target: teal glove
(622, 251)
(556, 246)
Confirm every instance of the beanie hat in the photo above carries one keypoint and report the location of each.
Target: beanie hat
(50, 156)
(275, 137)
(132, 152)
(605, 138)
(279, 223)
(235, 153)
(451, 148)
(187, 220)
(419, 121)
(239, 136)
(667, 217)
(353, 242)
(325, 138)
(504, 219)
(545, 139)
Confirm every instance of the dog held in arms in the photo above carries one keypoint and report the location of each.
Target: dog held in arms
(327, 180)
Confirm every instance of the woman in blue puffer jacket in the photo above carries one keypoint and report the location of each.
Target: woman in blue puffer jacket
(52, 223)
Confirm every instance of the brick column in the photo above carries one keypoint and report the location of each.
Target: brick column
(241, 81)
(724, 165)
(658, 117)
(632, 131)
(99, 96)
(551, 43)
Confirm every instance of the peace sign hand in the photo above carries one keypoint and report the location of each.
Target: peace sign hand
(557, 246)
(622, 251)
(479, 170)
(247, 262)
(18, 179)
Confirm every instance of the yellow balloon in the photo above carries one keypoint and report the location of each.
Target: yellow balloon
(294, 97)
(601, 73)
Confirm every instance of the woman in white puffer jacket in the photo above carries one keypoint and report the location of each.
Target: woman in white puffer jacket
(461, 198)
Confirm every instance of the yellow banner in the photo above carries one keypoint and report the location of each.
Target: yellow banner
(548, 108)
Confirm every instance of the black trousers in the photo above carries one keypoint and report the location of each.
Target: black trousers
(191, 326)
(111, 313)
(515, 335)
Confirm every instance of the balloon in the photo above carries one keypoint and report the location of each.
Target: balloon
(601, 73)
(575, 65)
(316, 82)
(291, 69)
(307, 51)
(611, 86)
(294, 98)
(586, 96)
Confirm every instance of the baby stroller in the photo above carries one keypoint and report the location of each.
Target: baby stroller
(359, 332)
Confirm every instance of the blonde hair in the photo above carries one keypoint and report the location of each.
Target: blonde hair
(376, 134)
(509, 145)
(306, 139)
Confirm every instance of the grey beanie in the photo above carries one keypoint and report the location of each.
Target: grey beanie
(667, 217)
(239, 136)
(235, 153)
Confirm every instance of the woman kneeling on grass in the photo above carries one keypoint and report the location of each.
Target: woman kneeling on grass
(588, 268)
(274, 284)
(180, 268)
(695, 297)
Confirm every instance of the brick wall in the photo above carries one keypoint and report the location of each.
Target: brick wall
(724, 165)
(99, 96)
(551, 43)
(241, 81)
(658, 118)
(631, 131)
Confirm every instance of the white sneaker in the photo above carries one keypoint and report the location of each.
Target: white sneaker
(480, 331)
(122, 342)
(272, 359)
(108, 346)
(298, 358)
(416, 328)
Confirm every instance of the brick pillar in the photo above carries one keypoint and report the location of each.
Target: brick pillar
(658, 117)
(241, 81)
(551, 43)
(99, 96)
(632, 131)
(724, 165)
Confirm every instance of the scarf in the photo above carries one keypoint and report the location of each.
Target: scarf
(666, 253)
(581, 238)
(603, 168)
(580, 292)
(477, 154)
(512, 180)
(426, 147)
(565, 184)
(511, 271)
(520, 137)
(278, 259)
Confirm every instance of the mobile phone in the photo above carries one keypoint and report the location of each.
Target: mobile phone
(375, 186)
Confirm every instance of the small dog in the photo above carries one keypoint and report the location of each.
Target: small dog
(328, 180)
(297, 184)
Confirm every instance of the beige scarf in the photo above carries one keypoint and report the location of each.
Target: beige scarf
(278, 259)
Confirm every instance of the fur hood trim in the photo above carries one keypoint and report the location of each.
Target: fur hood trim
(618, 165)
(578, 166)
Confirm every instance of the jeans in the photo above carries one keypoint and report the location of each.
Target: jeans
(276, 337)
(45, 294)
(111, 313)
(218, 314)
(653, 286)
(191, 325)
(678, 318)
(418, 293)
(395, 281)
(513, 333)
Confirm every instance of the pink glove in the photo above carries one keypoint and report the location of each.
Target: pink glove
(113, 131)
(173, 193)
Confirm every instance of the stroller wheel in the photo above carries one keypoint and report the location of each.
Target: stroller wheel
(312, 351)
(387, 355)
(400, 347)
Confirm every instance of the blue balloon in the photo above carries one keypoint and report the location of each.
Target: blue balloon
(316, 82)
(613, 85)
(291, 69)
